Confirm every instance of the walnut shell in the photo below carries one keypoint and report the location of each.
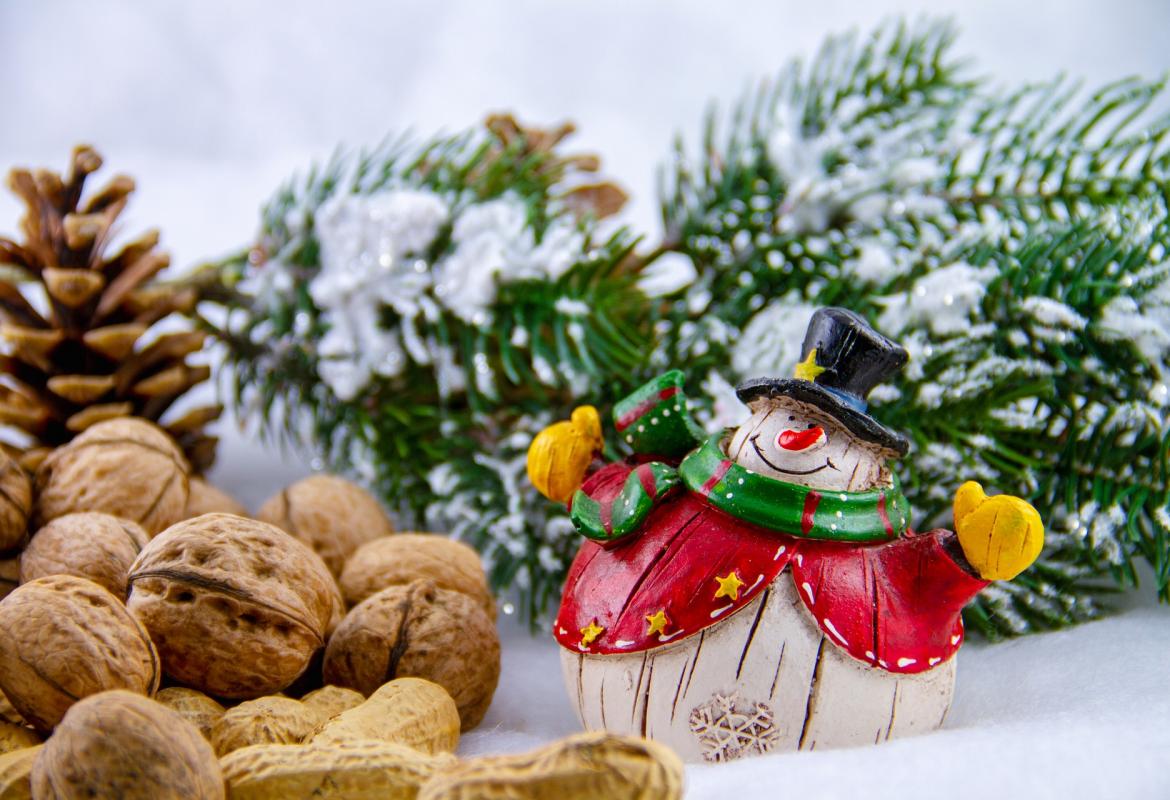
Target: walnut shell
(422, 631)
(193, 706)
(405, 557)
(89, 545)
(126, 467)
(332, 700)
(203, 498)
(15, 768)
(330, 515)
(16, 502)
(9, 575)
(236, 607)
(63, 638)
(119, 744)
(265, 720)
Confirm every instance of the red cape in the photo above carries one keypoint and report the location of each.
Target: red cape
(894, 605)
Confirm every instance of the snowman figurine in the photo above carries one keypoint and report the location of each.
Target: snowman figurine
(761, 589)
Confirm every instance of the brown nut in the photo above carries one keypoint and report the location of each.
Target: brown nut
(339, 607)
(127, 467)
(332, 700)
(405, 557)
(119, 744)
(419, 631)
(579, 767)
(15, 503)
(203, 498)
(15, 768)
(330, 515)
(63, 638)
(351, 770)
(407, 711)
(9, 575)
(265, 720)
(193, 706)
(89, 545)
(236, 607)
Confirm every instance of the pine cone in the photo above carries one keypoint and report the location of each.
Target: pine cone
(78, 322)
(599, 199)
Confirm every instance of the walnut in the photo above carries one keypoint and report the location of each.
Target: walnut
(422, 631)
(405, 557)
(126, 467)
(89, 545)
(193, 706)
(119, 744)
(236, 606)
(330, 514)
(63, 638)
(15, 503)
(9, 575)
(203, 498)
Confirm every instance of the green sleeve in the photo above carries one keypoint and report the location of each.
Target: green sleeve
(654, 419)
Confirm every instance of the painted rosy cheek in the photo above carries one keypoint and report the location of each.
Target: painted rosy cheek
(797, 440)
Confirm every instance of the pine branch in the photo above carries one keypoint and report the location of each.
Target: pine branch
(408, 308)
(1012, 240)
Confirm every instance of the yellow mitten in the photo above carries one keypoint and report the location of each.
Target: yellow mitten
(559, 456)
(1001, 536)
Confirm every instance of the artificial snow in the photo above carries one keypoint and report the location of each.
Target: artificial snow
(771, 341)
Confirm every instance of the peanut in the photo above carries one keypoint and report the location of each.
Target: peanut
(265, 720)
(579, 767)
(15, 768)
(408, 711)
(353, 770)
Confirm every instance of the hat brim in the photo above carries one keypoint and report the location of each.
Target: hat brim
(857, 422)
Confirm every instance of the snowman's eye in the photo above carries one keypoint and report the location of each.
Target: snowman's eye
(791, 418)
(811, 425)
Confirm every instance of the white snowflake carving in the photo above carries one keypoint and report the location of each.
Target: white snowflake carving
(729, 728)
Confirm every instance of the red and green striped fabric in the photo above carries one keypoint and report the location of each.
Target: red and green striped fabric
(618, 517)
(874, 516)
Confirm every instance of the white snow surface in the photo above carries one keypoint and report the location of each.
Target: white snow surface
(211, 105)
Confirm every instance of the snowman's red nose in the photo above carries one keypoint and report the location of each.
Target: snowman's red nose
(800, 440)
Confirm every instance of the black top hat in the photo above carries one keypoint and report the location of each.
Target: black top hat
(843, 358)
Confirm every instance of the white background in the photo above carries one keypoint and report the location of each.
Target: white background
(211, 104)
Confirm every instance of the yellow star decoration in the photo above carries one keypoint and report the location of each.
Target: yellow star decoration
(658, 622)
(590, 632)
(808, 370)
(728, 586)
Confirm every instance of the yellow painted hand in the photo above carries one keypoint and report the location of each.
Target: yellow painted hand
(559, 456)
(1001, 536)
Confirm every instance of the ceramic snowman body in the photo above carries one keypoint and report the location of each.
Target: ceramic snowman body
(760, 589)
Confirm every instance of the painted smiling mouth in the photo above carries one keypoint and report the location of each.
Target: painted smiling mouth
(764, 458)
